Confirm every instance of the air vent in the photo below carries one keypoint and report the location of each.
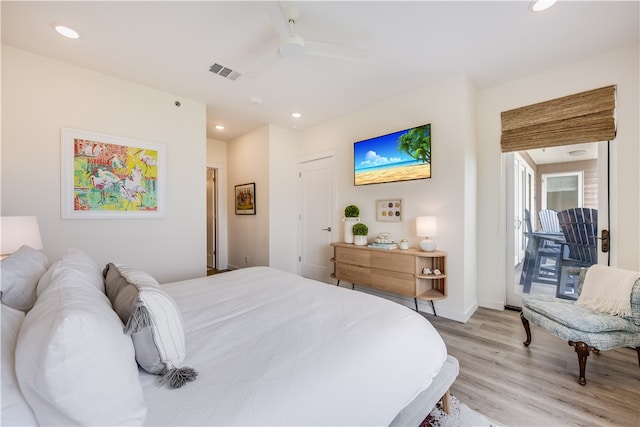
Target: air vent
(225, 72)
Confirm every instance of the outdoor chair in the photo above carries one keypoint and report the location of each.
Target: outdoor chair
(549, 221)
(579, 249)
(537, 256)
(589, 329)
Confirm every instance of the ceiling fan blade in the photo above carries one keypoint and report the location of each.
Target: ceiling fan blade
(278, 17)
(328, 50)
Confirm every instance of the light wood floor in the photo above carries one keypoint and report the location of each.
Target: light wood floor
(538, 386)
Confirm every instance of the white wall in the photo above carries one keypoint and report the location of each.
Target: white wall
(248, 161)
(450, 194)
(39, 97)
(619, 67)
(283, 205)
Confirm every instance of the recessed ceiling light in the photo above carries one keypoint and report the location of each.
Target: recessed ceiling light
(67, 32)
(296, 115)
(219, 127)
(540, 5)
(577, 152)
(255, 100)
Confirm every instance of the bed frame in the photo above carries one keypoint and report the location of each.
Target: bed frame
(416, 411)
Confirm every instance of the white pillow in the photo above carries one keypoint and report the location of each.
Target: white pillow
(15, 409)
(81, 264)
(19, 275)
(152, 318)
(73, 362)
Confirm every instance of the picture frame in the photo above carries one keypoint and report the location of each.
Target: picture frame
(245, 197)
(108, 177)
(389, 210)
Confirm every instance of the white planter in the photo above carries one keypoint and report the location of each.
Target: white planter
(348, 225)
(360, 240)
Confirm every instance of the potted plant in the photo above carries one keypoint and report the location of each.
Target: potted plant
(351, 213)
(360, 232)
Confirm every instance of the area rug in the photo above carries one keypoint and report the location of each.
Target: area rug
(460, 415)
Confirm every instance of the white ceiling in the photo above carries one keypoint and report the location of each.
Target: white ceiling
(171, 45)
(564, 153)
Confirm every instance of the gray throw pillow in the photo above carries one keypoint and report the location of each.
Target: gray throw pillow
(153, 320)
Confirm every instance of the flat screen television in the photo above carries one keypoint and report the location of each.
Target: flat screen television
(399, 156)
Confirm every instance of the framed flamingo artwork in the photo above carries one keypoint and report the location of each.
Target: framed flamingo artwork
(111, 177)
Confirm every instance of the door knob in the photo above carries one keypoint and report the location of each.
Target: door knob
(327, 229)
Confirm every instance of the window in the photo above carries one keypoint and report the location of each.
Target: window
(562, 191)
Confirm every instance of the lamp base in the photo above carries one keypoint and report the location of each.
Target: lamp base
(428, 245)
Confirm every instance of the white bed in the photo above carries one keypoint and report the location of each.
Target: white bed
(273, 348)
(270, 348)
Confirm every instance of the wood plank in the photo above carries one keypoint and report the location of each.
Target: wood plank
(538, 385)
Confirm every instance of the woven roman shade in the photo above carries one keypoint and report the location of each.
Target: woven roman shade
(575, 119)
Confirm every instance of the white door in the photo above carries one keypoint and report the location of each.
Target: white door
(315, 218)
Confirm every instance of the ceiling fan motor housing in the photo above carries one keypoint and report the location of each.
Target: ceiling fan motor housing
(292, 47)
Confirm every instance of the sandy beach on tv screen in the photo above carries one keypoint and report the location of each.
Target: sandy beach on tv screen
(401, 173)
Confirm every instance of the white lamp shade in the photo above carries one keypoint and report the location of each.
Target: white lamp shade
(426, 226)
(17, 231)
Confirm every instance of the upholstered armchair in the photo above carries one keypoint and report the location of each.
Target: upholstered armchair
(586, 329)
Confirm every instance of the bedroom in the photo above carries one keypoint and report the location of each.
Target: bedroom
(55, 94)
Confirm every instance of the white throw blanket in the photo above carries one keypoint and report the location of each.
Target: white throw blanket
(608, 290)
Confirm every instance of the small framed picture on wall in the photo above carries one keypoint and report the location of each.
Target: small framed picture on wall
(246, 199)
(389, 210)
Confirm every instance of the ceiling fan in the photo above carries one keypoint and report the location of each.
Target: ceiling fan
(293, 46)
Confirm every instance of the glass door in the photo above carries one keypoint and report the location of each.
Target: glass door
(521, 189)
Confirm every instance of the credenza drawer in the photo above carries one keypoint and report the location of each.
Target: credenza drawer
(353, 256)
(393, 261)
(353, 273)
(392, 281)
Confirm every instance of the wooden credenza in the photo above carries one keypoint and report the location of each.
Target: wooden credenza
(392, 270)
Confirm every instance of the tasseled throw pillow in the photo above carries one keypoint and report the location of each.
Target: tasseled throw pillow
(153, 320)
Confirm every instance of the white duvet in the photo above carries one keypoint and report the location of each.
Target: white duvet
(275, 349)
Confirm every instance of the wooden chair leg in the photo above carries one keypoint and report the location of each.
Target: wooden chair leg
(527, 329)
(446, 405)
(583, 352)
(638, 350)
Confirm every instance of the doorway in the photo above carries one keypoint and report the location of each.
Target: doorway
(212, 223)
(551, 178)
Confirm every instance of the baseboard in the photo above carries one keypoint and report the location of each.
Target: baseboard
(492, 304)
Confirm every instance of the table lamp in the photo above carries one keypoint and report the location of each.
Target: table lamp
(17, 231)
(427, 227)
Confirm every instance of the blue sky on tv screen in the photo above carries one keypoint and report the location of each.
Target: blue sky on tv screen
(380, 152)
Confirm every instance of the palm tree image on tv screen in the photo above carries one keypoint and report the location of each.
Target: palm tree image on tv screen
(400, 156)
